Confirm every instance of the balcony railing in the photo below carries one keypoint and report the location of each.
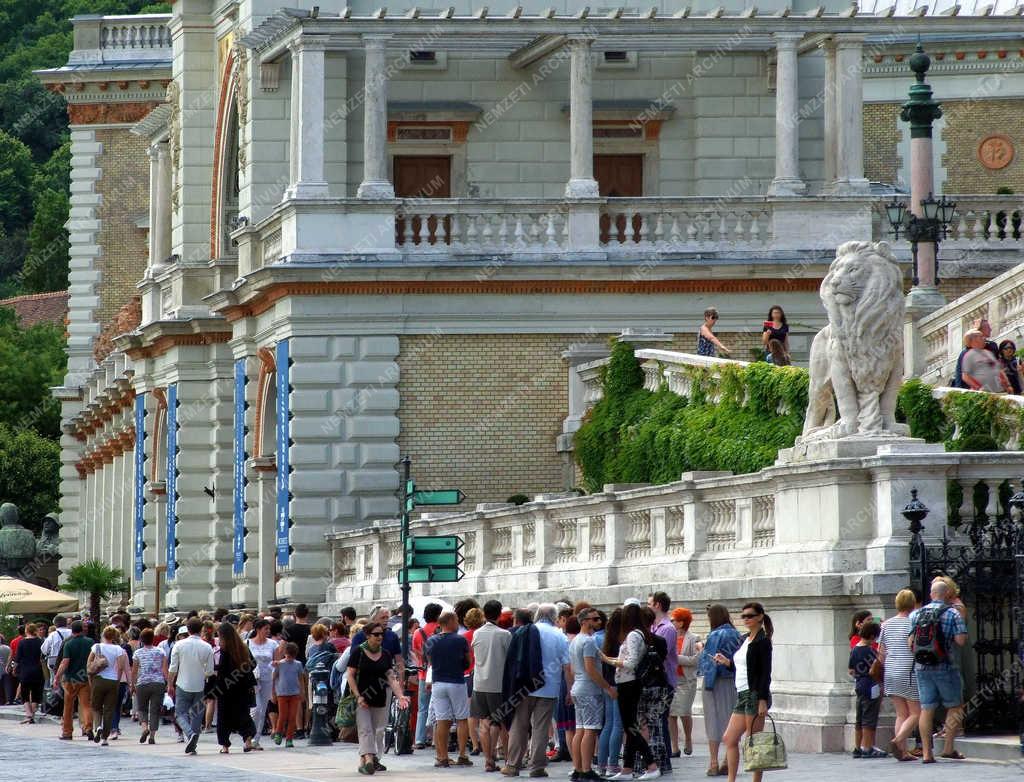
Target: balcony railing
(121, 39)
(547, 229)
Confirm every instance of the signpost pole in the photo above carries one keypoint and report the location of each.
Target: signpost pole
(406, 478)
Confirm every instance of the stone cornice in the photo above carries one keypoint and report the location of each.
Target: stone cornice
(138, 346)
(266, 297)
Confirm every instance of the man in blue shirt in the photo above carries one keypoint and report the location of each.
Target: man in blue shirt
(448, 654)
(940, 682)
(533, 713)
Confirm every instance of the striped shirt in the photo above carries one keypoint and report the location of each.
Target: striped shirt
(899, 660)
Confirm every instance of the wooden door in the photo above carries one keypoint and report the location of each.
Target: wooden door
(421, 176)
(619, 176)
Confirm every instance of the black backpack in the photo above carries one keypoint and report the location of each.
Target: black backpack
(929, 645)
(650, 671)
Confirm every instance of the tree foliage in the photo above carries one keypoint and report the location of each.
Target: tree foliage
(29, 472)
(33, 360)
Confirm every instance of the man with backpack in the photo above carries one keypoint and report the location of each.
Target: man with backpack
(936, 632)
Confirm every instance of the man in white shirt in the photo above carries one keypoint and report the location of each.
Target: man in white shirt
(54, 641)
(490, 649)
(191, 664)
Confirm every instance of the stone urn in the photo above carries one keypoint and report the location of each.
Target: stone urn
(17, 544)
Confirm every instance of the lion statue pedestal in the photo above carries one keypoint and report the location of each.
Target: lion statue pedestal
(856, 361)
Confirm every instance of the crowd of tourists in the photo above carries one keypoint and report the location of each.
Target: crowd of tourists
(612, 694)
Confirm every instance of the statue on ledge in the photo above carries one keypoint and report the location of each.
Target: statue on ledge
(48, 546)
(859, 354)
(17, 544)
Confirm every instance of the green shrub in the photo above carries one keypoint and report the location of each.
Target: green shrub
(518, 499)
(923, 412)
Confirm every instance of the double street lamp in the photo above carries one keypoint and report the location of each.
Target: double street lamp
(932, 226)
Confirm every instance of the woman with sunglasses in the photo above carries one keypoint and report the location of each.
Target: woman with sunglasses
(752, 665)
(371, 671)
(707, 343)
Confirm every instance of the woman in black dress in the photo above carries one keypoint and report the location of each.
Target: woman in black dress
(28, 668)
(234, 688)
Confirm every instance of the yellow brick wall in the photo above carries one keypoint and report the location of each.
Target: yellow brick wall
(482, 412)
(124, 185)
(967, 123)
(955, 288)
(881, 138)
(490, 429)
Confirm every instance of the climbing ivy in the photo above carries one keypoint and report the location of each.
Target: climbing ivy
(738, 418)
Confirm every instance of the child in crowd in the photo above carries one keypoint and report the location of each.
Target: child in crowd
(286, 693)
(869, 692)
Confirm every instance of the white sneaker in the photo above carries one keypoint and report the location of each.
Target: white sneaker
(654, 774)
(622, 775)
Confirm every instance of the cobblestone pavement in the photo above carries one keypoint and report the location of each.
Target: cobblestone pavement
(35, 750)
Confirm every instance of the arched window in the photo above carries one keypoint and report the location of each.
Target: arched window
(158, 464)
(264, 443)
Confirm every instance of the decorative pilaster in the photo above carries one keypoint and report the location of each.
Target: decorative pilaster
(850, 178)
(307, 121)
(829, 93)
(375, 184)
(581, 182)
(787, 118)
(160, 208)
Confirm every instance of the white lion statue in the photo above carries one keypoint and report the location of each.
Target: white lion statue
(859, 354)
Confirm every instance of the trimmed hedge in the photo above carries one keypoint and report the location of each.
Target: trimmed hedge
(638, 436)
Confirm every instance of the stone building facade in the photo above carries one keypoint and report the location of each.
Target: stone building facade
(375, 233)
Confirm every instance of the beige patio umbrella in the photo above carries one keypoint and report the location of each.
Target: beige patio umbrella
(21, 597)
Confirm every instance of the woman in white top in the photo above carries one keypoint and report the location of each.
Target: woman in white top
(105, 684)
(635, 638)
(900, 682)
(262, 647)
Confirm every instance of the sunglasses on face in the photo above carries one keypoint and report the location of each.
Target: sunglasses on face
(373, 635)
(749, 616)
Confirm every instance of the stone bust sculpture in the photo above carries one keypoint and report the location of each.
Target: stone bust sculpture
(17, 544)
(859, 354)
(48, 546)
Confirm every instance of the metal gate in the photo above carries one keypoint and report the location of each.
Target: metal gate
(985, 556)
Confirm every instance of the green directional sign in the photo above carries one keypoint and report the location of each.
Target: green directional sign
(435, 543)
(438, 497)
(427, 558)
(433, 574)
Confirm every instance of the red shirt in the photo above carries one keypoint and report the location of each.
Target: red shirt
(856, 640)
(419, 638)
(341, 644)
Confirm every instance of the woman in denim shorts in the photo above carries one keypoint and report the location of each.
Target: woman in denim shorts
(752, 664)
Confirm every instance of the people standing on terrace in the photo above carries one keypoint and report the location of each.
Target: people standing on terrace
(1008, 358)
(707, 343)
(775, 337)
(981, 370)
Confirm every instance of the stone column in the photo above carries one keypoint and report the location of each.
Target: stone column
(581, 182)
(787, 180)
(375, 184)
(306, 140)
(266, 483)
(849, 115)
(829, 93)
(161, 226)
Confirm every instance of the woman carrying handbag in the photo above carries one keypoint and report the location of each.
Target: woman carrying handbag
(107, 666)
(752, 664)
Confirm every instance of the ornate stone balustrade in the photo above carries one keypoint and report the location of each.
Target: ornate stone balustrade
(553, 230)
(685, 223)
(705, 526)
(141, 38)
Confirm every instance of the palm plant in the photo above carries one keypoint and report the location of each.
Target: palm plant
(97, 580)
